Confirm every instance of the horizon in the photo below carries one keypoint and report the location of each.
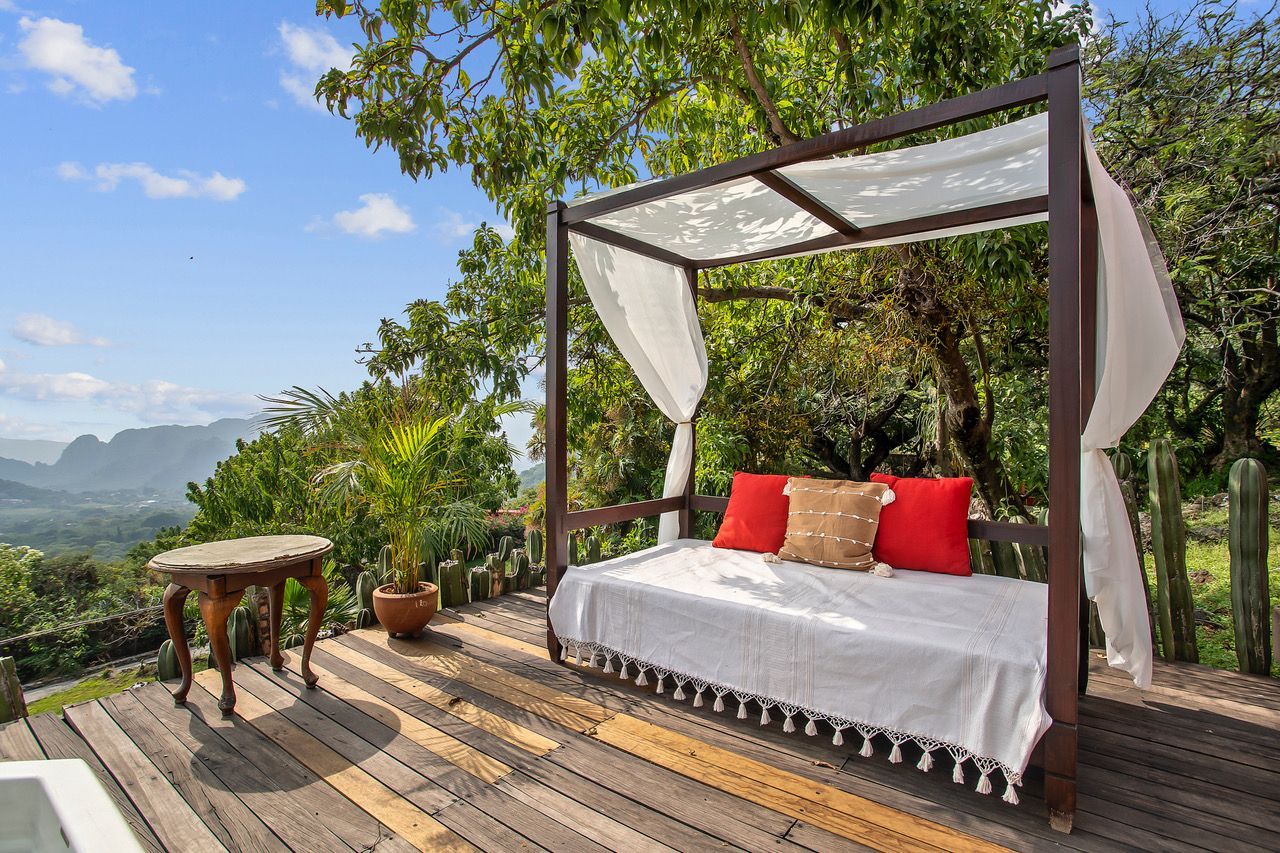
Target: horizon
(199, 178)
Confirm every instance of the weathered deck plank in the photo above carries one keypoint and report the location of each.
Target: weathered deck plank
(472, 737)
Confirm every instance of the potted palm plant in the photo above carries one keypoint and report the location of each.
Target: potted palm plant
(402, 461)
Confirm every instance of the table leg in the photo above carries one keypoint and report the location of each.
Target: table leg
(275, 608)
(319, 601)
(175, 597)
(215, 612)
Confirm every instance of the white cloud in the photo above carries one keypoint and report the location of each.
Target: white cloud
(74, 64)
(454, 227)
(12, 427)
(45, 331)
(378, 215)
(152, 401)
(311, 52)
(184, 184)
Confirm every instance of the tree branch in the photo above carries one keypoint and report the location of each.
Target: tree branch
(778, 127)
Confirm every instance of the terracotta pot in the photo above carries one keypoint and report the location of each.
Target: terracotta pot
(405, 614)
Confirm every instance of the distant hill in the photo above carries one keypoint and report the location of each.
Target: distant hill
(160, 459)
(31, 450)
(531, 477)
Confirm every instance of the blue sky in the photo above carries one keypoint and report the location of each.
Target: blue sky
(183, 228)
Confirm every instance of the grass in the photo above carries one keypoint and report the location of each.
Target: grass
(1209, 569)
(104, 683)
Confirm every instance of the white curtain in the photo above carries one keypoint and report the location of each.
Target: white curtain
(1140, 332)
(648, 310)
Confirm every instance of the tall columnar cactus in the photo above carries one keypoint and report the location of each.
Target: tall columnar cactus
(1124, 473)
(481, 583)
(1031, 557)
(366, 583)
(573, 550)
(534, 544)
(505, 546)
(593, 549)
(384, 565)
(1250, 591)
(364, 618)
(1123, 465)
(167, 662)
(1005, 559)
(453, 585)
(1169, 546)
(497, 574)
(518, 570)
(240, 633)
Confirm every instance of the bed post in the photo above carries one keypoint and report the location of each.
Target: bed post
(557, 485)
(1088, 366)
(686, 512)
(1065, 201)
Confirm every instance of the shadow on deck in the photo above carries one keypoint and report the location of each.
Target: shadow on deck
(473, 738)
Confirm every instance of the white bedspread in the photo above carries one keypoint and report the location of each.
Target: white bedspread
(949, 662)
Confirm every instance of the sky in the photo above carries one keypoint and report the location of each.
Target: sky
(183, 228)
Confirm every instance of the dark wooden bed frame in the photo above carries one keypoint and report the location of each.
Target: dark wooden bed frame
(1072, 332)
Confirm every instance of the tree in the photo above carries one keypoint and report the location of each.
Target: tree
(1188, 115)
(538, 100)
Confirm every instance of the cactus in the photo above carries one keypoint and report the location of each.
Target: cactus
(1031, 557)
(593, 549)
(239, 633)
(453, 585)
(1168, 544)
(534, 543)
(1130, 498)
(364, 618)
(537, 576)
(980, 561)
(517, 570)
(1123, 465)
(1250, 591)
(428, 572)
(1005, 558)
(573, 550)
(505, 546)
(366, 583)
(167, 662)
(481, 583)
(458, 557)
(497, 574)
(384, 564)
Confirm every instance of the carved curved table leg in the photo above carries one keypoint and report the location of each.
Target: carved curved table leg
(319, 601)
(275, 608)
(215, 612)
(175, 596)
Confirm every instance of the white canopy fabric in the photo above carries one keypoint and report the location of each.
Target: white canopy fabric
(647, 307)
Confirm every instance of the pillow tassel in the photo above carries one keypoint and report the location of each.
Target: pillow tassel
(608, 665)
(697, 699)
(810, 729)
(838, 738)
(742, 709)
(787, 726)
(957, 775)
(578, 657)
(623, 673)
(718, 707)
(984, 784)
(895, 755)
(926, 762)
(679, 694)
(564, 653)
(641, 681)
(1010, 794)
(661, 679)
(765, 719)
(867, 751)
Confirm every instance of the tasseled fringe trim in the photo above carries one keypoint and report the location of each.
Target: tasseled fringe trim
(985, 766)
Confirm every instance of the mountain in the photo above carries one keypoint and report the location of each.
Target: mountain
(531, 477)
(31, 450)
(160, 459)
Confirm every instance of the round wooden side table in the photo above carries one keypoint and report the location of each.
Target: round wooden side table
(219, 572)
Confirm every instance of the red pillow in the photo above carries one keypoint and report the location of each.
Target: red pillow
(927, 526)
(756, 518)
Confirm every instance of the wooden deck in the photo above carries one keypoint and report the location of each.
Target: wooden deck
(473, 738)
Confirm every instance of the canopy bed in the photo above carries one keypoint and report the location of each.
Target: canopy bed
(983, 668)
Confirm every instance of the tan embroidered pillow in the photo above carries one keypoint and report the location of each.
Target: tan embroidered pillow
(833, 522)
